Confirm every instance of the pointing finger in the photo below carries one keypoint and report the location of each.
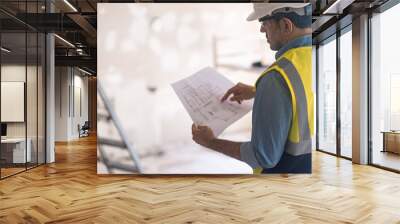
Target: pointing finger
(227, 94)
(236, 98)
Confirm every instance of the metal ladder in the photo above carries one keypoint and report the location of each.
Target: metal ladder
(122, 144)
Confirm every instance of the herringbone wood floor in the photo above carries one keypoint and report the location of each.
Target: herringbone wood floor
(70, 191)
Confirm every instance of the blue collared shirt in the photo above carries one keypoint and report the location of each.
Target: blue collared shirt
(272, 116)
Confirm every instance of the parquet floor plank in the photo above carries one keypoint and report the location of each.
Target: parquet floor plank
(70, 191)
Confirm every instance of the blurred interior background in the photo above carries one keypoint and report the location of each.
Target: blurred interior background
(149, 46)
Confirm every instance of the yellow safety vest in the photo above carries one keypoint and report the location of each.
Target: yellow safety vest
(296, 69)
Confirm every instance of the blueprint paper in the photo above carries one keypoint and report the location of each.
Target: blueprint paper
(201, 95)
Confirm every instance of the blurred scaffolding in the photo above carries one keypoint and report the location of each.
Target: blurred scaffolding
(125, 159)
(107, 114)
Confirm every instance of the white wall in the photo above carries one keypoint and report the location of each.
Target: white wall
(12, 73)
(61, 103)
(33, 127)
(67, 115)
(81, 102)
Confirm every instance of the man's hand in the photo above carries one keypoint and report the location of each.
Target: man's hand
(240, 92)
(202, 135)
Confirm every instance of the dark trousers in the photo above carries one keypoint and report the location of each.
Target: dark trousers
(292, 164)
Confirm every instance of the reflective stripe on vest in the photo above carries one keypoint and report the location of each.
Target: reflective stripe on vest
(304, 144)
(300, 105)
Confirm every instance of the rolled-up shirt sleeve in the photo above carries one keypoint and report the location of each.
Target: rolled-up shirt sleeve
(271, 121)
(247, 155)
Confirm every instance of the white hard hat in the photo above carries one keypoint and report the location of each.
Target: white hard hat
(266, 9)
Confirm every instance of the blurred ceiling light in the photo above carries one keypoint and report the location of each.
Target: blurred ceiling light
(70, 5)
(64, 40)
(84, 71)
(79, 44)
(5, 50)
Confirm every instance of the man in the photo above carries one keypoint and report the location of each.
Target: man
(283, 116)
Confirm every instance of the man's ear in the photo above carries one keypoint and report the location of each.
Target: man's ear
(286, 25)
